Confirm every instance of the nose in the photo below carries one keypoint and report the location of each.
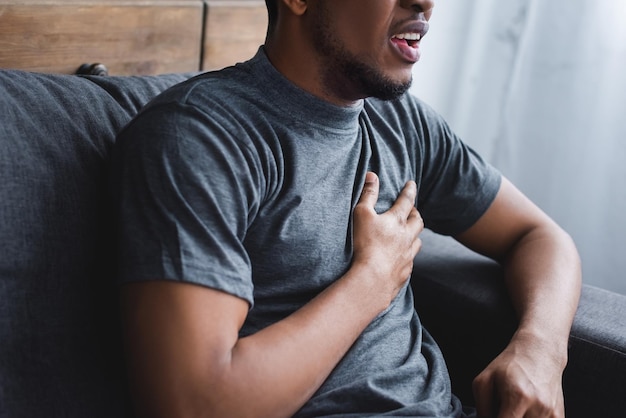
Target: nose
(424, 7)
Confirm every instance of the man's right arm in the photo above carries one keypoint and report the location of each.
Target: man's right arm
(185, 355)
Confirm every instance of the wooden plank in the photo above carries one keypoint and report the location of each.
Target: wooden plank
(234, 31)
(129, 37)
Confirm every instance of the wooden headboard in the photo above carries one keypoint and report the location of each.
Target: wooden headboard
(129, 36)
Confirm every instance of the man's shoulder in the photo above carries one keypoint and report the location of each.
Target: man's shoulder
(220, 86)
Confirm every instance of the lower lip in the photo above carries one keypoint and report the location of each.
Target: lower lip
(408, 53)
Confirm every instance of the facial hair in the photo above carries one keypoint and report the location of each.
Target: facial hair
(363, 79)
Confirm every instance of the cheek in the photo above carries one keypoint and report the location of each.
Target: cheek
(370, 40)
(365, 27)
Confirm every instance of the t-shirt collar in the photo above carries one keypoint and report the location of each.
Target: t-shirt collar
(299, 103)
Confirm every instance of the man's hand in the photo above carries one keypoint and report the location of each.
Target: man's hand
(525, 380)
(387, 243)
(188, 360)
(542, 272)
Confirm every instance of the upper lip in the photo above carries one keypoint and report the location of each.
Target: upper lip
(415, 27)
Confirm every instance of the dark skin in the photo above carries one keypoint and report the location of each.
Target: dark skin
(188, 361)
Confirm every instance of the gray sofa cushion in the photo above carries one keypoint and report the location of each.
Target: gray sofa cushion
(595, 378)
(60, 353)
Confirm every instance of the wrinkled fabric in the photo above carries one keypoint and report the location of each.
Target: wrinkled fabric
(230, 184)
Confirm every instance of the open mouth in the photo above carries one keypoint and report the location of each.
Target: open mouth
(412, 39)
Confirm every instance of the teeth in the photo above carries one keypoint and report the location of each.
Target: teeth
(409, 36)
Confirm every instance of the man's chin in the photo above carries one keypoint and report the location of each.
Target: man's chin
(370, 81)
(390, 90)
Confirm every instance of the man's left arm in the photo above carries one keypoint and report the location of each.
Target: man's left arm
(542, 270)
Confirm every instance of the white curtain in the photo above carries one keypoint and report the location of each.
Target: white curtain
(538, 87)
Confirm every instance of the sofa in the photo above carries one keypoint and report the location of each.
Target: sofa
(60, 345)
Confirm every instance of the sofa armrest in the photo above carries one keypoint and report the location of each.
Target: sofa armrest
(595, 378)
(462, 301)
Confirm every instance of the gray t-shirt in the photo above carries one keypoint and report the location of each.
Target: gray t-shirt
(240, 181)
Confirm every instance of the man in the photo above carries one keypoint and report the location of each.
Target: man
(269, 216)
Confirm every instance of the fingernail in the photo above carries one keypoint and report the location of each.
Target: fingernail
(370, 177)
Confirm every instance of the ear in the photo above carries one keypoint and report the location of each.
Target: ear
(297, 7)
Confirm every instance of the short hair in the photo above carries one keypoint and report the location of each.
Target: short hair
(272, 14)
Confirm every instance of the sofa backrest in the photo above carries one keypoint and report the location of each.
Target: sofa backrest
(60, 348)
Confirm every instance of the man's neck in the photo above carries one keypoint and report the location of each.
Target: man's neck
(303, 67)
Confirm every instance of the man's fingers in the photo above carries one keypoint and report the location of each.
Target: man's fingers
(415, 216)
(403, 207)
(405, 203)
(484, 396)
(369, 195)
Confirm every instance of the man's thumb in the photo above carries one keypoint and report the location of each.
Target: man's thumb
(369, 195)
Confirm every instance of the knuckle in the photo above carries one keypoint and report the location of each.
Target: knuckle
(368, 190)
(400, 218)
(545, 406)
(361, 209)
(479, 382)
(408, 270)
(521, 392)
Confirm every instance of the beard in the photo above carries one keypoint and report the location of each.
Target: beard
(371, 81)
(346, 73)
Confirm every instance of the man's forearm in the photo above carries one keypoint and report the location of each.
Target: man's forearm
(544, 278)
(280, 367)
(180, 368)
(284, 364)
(186, 357)
(543, 275)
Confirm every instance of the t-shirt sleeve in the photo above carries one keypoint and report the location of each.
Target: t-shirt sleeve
(184, 190)
(457, 185)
